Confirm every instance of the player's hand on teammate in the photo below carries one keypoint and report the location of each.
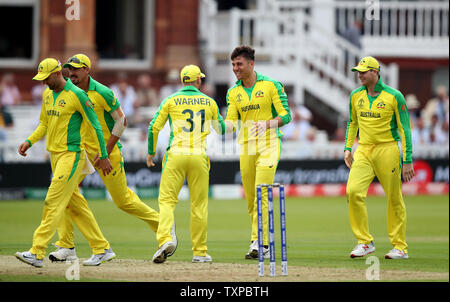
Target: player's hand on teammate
(104, 164)
(150, 162)
(408, 172)
(23, 148)
(348, 158)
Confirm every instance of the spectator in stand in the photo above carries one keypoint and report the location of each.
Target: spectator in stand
(36, 93)
(147, 96)
(353, 33)
(413, 105)
(6, 121)
(9, 93)
(173, 84)
(299, 129)
(420, 134)
(441, 133)
(438, 130)
(437, 105)
(126, 95)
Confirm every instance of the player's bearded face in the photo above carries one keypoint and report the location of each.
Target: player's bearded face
(77, 75)
(242, 67)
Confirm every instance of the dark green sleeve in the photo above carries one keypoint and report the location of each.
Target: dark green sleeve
(404, 128)
(109, 97)
(280, 98)
(89, 112)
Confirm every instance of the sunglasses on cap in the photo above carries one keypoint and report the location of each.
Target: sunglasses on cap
(76, 61)
(54, 68)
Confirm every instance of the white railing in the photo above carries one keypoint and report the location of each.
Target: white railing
(412, 19)
(293, 37)
(399, 28)
(292, 47)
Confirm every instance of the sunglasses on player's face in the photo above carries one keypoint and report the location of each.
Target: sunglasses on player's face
(76, 61)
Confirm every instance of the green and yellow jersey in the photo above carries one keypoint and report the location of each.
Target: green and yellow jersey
(103, 102)
(379, 119)
(61, 118)
(264, 101)
(191, 115)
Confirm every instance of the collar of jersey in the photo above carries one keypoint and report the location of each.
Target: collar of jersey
(189, 88)
(68, 85)
(259, 77)
(379, 86)
(91, 83)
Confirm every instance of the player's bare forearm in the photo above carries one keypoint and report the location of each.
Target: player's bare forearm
(111, 143)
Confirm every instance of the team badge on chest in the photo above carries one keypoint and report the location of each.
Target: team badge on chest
(62, 103)
(381, 105)
(259, 94)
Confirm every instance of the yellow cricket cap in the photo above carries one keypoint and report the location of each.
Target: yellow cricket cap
(367, 63)
(46, 68)
(78, 61)
(190, 73)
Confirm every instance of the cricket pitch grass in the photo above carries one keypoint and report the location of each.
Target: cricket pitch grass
(319, 241)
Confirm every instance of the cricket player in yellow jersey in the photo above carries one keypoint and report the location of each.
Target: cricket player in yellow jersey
(64, 108)
(380, 114)
(191, 115)
(113, 123)
(260, 104)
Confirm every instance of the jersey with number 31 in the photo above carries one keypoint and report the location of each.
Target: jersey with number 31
(191, 115)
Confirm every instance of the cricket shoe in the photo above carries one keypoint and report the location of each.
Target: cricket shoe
(30, 259)
(174, 239)
(362, 250)
(98, 259)
(201, 259)
(396, 254)
(161, 254)
(253, 251)
(63, 254)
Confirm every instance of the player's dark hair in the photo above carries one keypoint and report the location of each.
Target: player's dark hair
(244, 51)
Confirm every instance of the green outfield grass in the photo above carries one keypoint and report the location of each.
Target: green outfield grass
(318, 232)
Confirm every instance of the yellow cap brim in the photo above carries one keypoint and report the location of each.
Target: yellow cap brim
(73, 64)
(360, 68)
(41, 76)
(202, 75)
